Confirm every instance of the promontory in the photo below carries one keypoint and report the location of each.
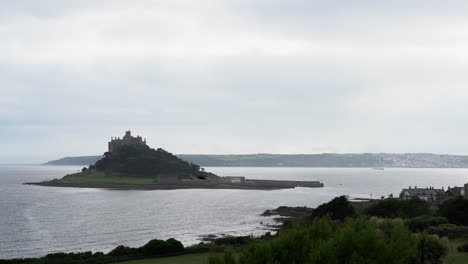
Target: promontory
(130, 163)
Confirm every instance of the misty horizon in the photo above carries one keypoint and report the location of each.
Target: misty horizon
(233, 76)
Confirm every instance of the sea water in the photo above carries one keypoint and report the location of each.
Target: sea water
(37, 220)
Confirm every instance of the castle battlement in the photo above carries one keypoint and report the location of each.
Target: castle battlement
(128, 139)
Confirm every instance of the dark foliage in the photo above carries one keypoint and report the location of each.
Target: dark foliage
(233, 241)
(392, 208)
(120, 253)
(69, 258)
(338, 209)
(140, 160)
(424, 222)
(455, 210)
(449, 231)
(430, 250)
(157, 247)
(357, 240)
(463, 248)
(123, 251)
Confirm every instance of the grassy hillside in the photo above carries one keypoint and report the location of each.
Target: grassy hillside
(101, 177)
(143, 161)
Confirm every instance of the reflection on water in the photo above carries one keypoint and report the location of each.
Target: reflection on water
(38, 220)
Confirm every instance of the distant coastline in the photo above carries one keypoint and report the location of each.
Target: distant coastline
(366, 160)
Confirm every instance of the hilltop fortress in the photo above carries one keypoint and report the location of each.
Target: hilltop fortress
(130, 164)
(128, 139)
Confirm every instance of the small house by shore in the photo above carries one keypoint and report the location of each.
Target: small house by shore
(429, 194)
(455, 191)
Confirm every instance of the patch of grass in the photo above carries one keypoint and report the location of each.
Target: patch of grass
(201, 258)
(100, 177)
(454, 256)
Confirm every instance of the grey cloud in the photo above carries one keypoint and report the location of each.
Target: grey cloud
(233, 76)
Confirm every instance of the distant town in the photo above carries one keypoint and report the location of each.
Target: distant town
(384, 160)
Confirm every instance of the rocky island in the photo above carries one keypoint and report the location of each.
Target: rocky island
(130, 163)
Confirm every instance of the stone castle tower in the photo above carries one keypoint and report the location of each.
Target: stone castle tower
(128, 139)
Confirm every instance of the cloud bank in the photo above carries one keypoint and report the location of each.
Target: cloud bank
(233, 76)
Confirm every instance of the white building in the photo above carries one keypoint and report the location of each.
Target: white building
(429, 194)
(233, 179)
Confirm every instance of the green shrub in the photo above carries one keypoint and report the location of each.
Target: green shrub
(123, 251)
(173, 245)
(455, 210)
(229, 257)
(360, 241)
(392, 208)
(421, 223)
(160, 247)
(449, 231)
(357, 240)
(338, 209)
(233, 241)
(431, 249)
(463, 247)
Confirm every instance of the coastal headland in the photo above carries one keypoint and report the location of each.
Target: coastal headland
(130, 164)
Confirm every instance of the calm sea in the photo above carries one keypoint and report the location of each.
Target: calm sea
(37, 220)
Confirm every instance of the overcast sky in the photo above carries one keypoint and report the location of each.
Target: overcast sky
(239, 76)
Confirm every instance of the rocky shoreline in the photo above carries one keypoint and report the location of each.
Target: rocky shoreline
(289, 212)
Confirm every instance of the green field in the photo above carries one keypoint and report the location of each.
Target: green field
(201, 258)
(101, 177)
(455, 257)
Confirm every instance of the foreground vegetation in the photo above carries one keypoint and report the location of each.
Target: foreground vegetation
(201, 258)
(154, 248)
(455, 256)
(390, 231)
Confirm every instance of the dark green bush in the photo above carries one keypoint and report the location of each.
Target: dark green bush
(449, 231)
(160, 247)
(430, 249)
(455, 210)
(421, 223)
(338, 209)
(123, 251)
(393, 208)
(463, 248)
(233, 241)
(357, 240)
(119, 254)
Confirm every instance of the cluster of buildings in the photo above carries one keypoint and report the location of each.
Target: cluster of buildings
(432, 195)
(420, 160)
(233, 179)
(128, 139)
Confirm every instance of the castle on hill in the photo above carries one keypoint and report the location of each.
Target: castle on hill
(128, 139)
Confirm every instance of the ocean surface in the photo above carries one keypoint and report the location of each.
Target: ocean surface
(36, 220)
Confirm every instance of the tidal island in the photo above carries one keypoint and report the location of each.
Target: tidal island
(130, 163)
